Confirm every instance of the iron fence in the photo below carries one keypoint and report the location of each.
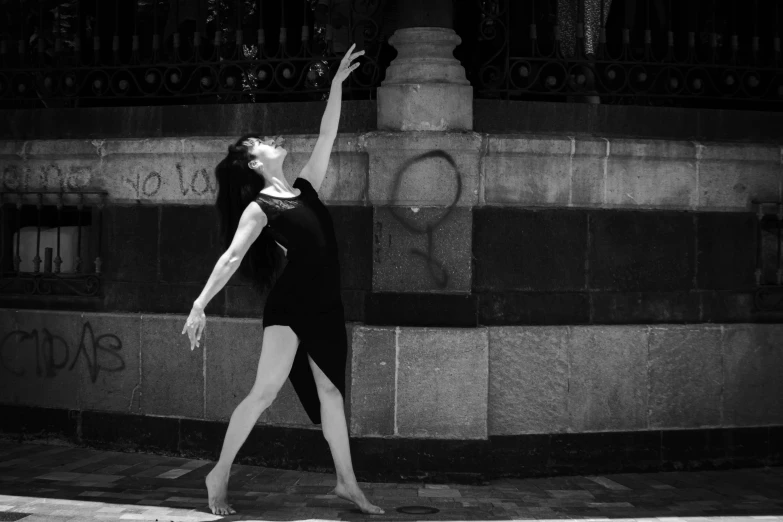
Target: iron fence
(706, 53)
(709, 53)
(58, 53)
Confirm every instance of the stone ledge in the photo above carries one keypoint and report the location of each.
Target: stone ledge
(163, 170)
(507, 170)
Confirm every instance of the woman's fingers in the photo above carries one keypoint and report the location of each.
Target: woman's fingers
(347, 55)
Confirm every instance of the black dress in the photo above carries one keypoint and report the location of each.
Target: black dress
(306, 296)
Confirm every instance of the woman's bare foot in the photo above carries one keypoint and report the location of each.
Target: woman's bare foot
(217, 486)
(355, 495)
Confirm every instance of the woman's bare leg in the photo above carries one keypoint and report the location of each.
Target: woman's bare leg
(335, 429)
(277, 356)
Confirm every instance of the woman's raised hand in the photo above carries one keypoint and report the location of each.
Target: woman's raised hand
(346, 67)
(194, 326)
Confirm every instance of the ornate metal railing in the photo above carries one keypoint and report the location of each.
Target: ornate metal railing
(689, 53)
(707, 53)
(57, 53)
(21, 273)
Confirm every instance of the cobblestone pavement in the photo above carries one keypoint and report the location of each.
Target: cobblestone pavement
(55, 483)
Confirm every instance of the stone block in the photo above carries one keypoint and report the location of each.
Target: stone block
(52, 149)
(539, 250)
(422, 249)
(752, 366)
(12, 149)
(413, 169)
(131, 247)
(651, 173)
(533, 308)
(158, 298)
(110, 361)
(353, 229)
(425, 107)
(354, 304)
(167, 170)
(49, 165)
(641, 251)
(588, 172)
(442, 383)
(373, 376)
(345, 182)
(39, 352)
(728, 306)
(607, 388)
(190, 243)
(685, 377)
(230, 378)
(421, 309)
(244, 301)
(528, 380)
(719, 233)
(529, 170)
(645, 307)
(172, 375)
(158, 171)
(731, 176)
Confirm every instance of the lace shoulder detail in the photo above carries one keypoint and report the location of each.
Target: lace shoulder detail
(272, 206)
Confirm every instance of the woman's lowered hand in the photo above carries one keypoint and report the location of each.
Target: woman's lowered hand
(194, 326)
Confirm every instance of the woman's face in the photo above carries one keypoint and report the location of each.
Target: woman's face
(268, 149)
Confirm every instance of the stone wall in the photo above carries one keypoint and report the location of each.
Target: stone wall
(496, 284)
(408, 382)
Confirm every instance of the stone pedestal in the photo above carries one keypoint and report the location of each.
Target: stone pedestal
(423, 187)
(425, 87)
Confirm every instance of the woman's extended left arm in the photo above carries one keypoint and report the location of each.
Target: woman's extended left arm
(315, 170)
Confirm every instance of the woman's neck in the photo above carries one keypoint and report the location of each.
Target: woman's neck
(276, 182)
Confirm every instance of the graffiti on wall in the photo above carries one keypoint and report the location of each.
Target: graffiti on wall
(149, 184)
(141, 182)
(48, 176)
(436, 268)
(49, 354)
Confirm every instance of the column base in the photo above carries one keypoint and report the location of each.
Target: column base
(425, 107)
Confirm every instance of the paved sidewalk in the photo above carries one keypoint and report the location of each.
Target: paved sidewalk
(55, 483)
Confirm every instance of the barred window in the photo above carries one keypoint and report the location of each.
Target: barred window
(51, 243)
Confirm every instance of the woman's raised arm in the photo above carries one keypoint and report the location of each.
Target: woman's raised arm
(315, 170)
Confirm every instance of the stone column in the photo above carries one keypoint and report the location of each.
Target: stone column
(424, 166)
(423, 183)
(425, 86)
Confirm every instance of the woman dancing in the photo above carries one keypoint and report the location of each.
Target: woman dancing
(304, 326)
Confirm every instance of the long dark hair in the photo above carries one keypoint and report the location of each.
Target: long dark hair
(238, 185)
